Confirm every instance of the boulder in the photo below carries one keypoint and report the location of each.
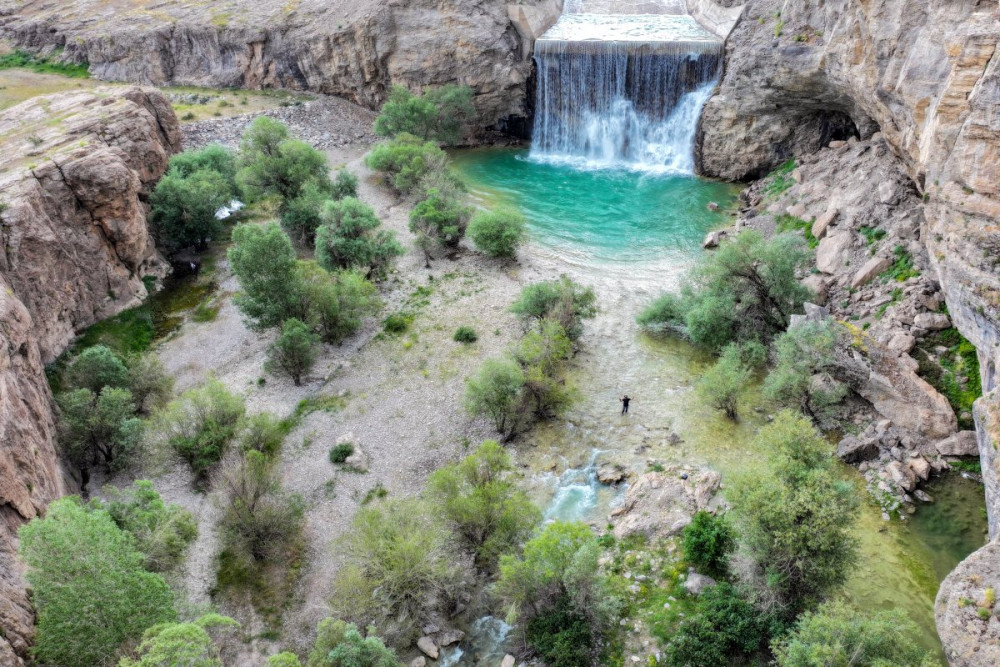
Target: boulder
(611, 473)
(696, 583)
(902, 476)
(833, 251)
(871, 268)
(419, 661)
(823, 222)
(508, 661)
(962, 443)
(428, 647)
(901, 343)
(819, 285)
(449, 637)
(713, 239)
(920, 467)
(932, 321)
(854, 450)
(968, 640)
(660, 504)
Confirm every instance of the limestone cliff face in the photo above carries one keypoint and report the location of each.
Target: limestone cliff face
(350, 48)
(76, 172)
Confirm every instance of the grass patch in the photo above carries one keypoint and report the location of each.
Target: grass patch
(897, 294)
(902, 268)
(872, 234)
(206, 312)
(789, 223)
(309, 405)
(340, 453)
(268, 588)
(967, 464)
(955, 373)
(779, 180)
(375, 493)
(397, 323)
(21, 59)
(465, 335)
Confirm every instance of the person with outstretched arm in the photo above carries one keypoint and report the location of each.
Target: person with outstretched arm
(625, 399)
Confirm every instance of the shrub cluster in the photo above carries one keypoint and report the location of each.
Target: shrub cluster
(436, 115)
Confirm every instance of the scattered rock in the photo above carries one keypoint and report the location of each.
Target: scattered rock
(428, 647)
(853, 450)
(872, 268)
(508, 661)
(713, 239)
(920, 467)
(832, 250)
(449, 637)
(901, 343)
(712, 206)
(902, 476)
(932, 321)
(660, 504)
(420, 661)
(696, 583)
(611, 473)
(923, 496)
(823, 222)
(962, 443)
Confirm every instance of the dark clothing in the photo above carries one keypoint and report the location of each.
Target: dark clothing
(624, 400)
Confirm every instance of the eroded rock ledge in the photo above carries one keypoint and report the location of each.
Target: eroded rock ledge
(77, 169)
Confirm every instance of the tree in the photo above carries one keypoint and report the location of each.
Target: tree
(184, 208)
(214, 157)
(793, 518)
(300, 217)
(484, 506)
(263, 259)
(540, 354)
(337, 301)
(399, 570)
(708, 541)
(294, 351)
(437, 115)
(176, 644)
(562, 301)
(746, 290)
(494, 392)
(344, 185)
(200, 424)
(162, 532)
(260, 520)
(95, 368)
(836, 634)
(804, 355)
(724, 629)
(722, 385)
(438, 220)
(88, 585)
(348, 238)
(273, 165)
(149, 383)
(498, 233)
(406, 160)
(340, 644)
(99, 430)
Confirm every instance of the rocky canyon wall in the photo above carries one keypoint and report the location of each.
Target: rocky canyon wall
(77, 169)
(350, 48)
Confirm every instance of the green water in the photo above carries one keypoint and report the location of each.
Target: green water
(631, 236)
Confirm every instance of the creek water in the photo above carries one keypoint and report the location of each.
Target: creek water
(631, 235)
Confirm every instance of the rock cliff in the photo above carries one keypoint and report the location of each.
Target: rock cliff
(73, 185)
(351, 48)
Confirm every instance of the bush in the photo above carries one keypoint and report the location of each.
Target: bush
(438, 220)
(273, 165)
(260, 520)
(284, 659)
(801, 353)
(294, 352)
(794, 519)
(540, 354)
(149, 383)
(89, 587)
(406, 160)
(348, 239)
(95, 368)
(480, 500)
(498, 233)
(200, 424)
(340, 453)
(184, 207)
(340, 644)
(262, 432)
(214, 157)
(300, 217)
(465, 335)
(494, 392)
(561, 636)
(722, 385)
(724, 629)
(562, 301)
(263, 259)
(400, 569)
(746, 290)
(397, 323)
(99, 430)
(337, 301)
(708, 540)
(836, 634)
(162, 532)
(175, 644)
(344, 185)
(437, 115)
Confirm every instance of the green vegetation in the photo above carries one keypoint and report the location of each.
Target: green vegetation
(437, 115)
(902, 268)
(400, 569)
(273, 165)
(406, 160)
(337, 301)
(89, 587)
(801, 353)
(495, 392)
(169, 644)
(466, 335)
(498, 233)
(201, 423)
(482, 504)
(262, 432)
(561, 301)
(438, 220)
(954, 373)
(779, 180)
(99, 429)
(20, 59)
(708, 541)
(397, 323)
(723, 628)
(95, 368)
(793, 518)
(872, 234)
(340, 453)
(162, 532)
(348, 238)
(722, 385)
(744, 291)
(789, 223)
(340, 644)
(836, 634)
(294, 351)
(184, 207)
(263, 259)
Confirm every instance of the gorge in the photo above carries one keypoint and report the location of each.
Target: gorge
(890, 113)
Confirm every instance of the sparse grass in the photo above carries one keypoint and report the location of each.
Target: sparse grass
(377, 492)
(340, 453)
(206, 312)
(789, 223)
(956, 372)
(24, 60)
(270, 588)
(902, 268)
(397, 323)
(309, 405)
(872, 234)
(779, 180)
(967, 464)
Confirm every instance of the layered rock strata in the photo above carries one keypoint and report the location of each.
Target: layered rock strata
(78, 168)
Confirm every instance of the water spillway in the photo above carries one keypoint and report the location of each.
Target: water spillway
(623, 89)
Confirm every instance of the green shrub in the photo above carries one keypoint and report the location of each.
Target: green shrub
(465, 335)
(722, 385)
(486, 509)
(438, 220)
(789, 223)
(498, 233)
(340, 644)
(340, 453)
(294, 351)
(406, 160)
(348, 238)
(437, 115)
(344, 185)
(397, 323)
(162, 532)
(273, 165)
(284, 659)
(746, 290)
(200, 424)
(89, 588)
(95, 368)
(21, 59)
(300, 217)
(399, 571)
(561, 636)
(801, 353)
(562, 301)
(540, 355)
(175, 644)
(263, 259)
(708, 541)
(494, 392)
(148, 381)
(262, 432)
(725, 629)
(902, 268)
(337, 301)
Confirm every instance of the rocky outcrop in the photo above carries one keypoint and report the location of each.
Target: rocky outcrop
(349, 48)
(77, 170)
(660, 504)
(966, 610)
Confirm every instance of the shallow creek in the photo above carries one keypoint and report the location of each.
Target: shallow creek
(631, 235)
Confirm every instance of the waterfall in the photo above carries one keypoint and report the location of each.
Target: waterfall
(623, 90)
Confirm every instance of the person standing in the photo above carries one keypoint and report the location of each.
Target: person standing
(625, 399)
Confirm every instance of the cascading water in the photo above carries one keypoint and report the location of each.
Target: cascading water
(623, 90)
